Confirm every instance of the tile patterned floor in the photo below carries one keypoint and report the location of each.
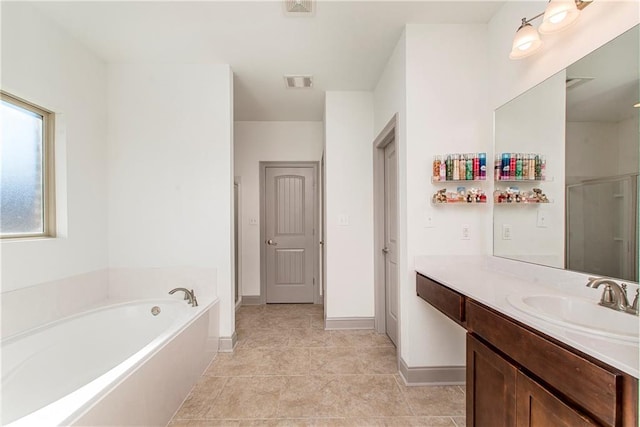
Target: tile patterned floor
(288, 371)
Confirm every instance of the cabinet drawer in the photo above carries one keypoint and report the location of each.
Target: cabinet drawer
(444, 299)
(588, 385)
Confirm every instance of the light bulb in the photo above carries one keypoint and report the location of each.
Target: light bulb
(526, 41)
(558, 15)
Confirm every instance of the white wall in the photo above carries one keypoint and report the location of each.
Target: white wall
(447, 112)
(171, 175)
(45, 66)
(265, 141)
(349, 194)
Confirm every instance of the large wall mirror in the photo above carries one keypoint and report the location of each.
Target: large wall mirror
(584, 122)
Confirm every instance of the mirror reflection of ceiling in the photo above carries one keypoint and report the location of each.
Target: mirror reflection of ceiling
(614, 88)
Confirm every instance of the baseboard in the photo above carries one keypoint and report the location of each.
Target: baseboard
(251, 300)
(227, 344)
(336, 323)
(439, 375)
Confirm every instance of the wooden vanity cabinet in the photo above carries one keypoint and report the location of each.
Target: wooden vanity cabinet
(517, 376)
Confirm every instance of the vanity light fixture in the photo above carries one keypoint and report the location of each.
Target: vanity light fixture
(558, 15)
(637, 105)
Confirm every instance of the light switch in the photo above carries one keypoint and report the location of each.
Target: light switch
(506, 232)
(541, 221)
(465, 232)
(253, 221)
(343, 219)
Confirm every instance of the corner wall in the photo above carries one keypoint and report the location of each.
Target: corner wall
(349, 206)
(171, 180)
(265, 141)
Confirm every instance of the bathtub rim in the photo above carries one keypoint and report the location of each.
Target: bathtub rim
(71, 407)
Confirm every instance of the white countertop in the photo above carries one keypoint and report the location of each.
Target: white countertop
(489, 280)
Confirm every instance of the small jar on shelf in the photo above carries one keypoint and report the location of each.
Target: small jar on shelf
(461, 196)
(513, 195)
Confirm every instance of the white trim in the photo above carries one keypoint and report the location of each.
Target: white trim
(337, 323)
(390, 132)
(228, 344)
(432, 375)
(251, 300)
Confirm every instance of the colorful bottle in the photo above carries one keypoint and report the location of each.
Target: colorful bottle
(482, 165)
(518, 166)
(497, 168)
(512, 167)
(525, 166)
(506, 162)
(532, 166)
(456, 167)
(443, 169)
(462, 167)
(470, 166)
(537, 170)
(543, 168)
(449, 168)
(436, 168)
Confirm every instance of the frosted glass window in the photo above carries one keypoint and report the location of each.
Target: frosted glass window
(23, 162)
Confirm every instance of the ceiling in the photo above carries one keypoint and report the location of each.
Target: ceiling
(345, 45)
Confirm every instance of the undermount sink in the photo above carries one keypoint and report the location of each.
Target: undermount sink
(580, 314)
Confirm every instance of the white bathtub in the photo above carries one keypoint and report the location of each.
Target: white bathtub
(115, 365)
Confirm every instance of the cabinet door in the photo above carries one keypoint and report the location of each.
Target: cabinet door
(537, 407)
(491, 387)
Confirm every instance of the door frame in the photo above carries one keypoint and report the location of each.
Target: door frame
(386, 135)
(263, 213)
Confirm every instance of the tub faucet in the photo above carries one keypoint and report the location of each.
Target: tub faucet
(614, 295)
(188, 295)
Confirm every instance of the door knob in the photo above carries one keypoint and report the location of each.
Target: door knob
(271, 242)
(385, 250)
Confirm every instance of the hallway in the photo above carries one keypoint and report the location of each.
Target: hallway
(288, 371)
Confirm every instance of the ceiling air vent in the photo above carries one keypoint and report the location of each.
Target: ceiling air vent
(299, 7)
(298, 82)
(574, 82)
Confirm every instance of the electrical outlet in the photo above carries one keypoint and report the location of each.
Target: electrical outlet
(429, 222)
(506, 232)
(465, 232)
(541, 220)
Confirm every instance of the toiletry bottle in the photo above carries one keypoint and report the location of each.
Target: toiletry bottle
(472, 167)
(518, 166)
(482, 166)
(532, 166)
(543, 168)
(537, 171)
(443, 169)
(456, 167)
(476, 166)
(512, 167)
(505, 166)
(497, 168)
(525, 167)
(462, 166)
(436, 168)
(449, 167)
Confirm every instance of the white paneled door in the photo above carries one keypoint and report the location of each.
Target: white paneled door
(391, 240)
(290, 248)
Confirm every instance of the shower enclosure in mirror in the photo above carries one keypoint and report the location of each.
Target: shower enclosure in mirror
(584, 121)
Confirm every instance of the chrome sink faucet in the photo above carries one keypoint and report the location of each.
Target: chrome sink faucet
(188, 295)
(614, 295)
